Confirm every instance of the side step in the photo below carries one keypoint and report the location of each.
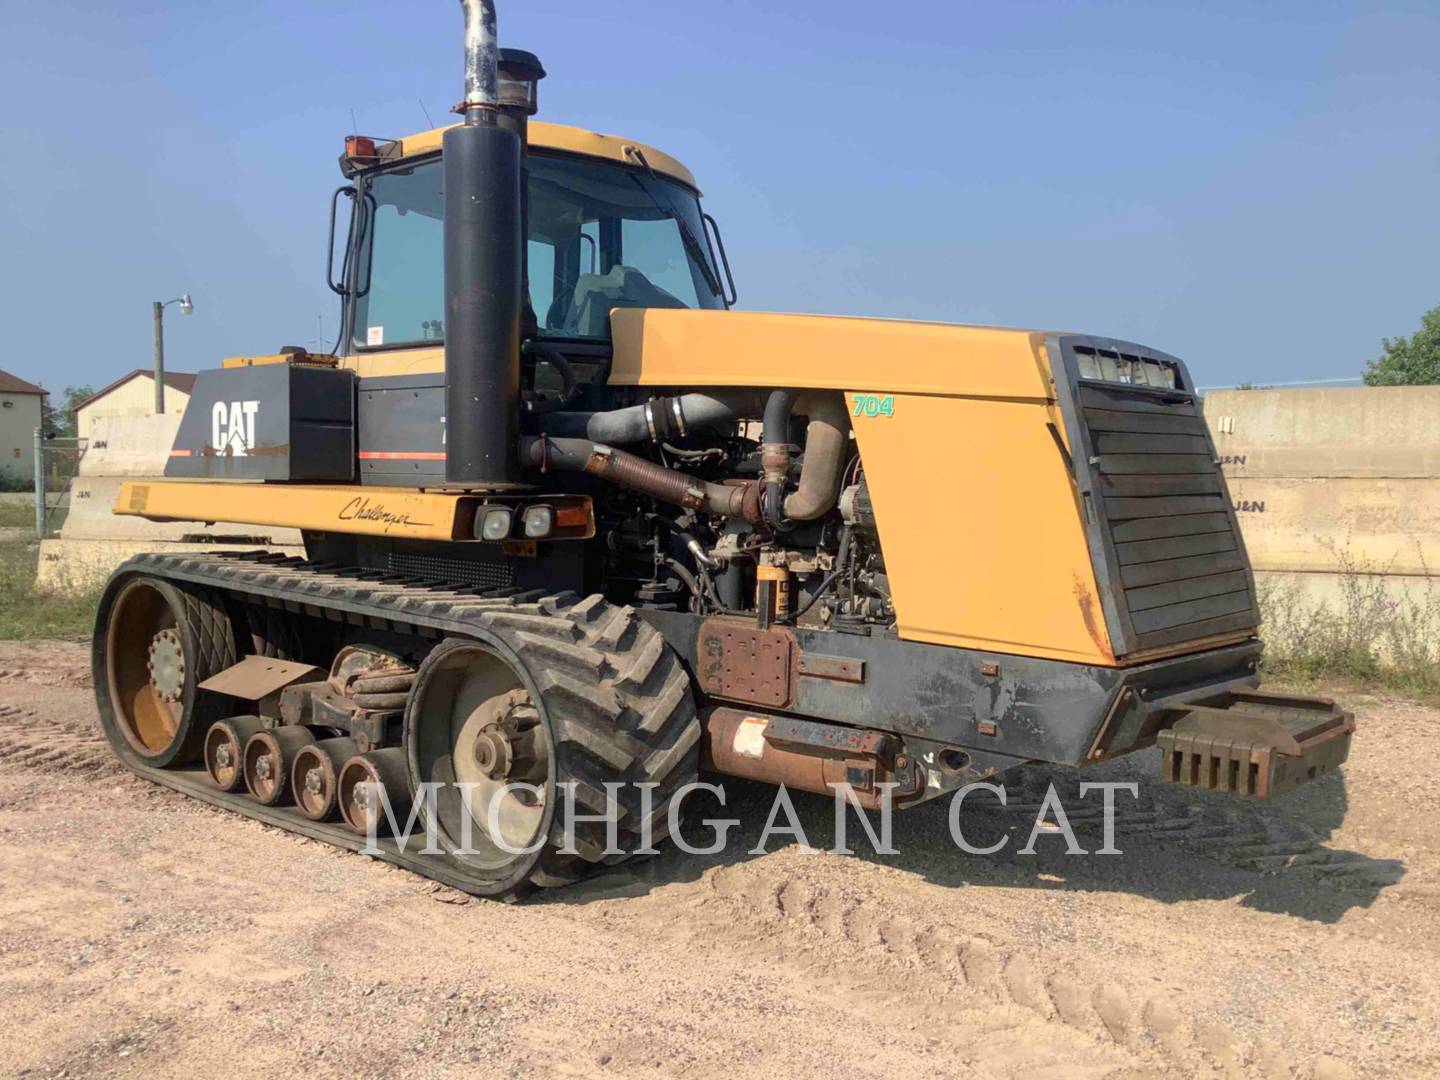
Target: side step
(1252, 743)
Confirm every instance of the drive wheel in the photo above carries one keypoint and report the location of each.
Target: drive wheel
(155, 643)
(558, 692)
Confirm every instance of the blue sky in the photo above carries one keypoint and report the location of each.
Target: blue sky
(1249, 186)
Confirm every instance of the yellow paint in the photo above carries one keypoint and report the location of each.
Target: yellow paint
(422, 361)
(312, 359)
(732, 348)
(982, 535)
(401, 512)
(571, 140)
(979, 517)
(253, 361)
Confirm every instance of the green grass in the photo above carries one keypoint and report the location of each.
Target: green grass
(13, 515)
(1369, 637)
(27, 613)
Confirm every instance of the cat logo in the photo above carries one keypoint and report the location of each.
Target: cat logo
(232, 427)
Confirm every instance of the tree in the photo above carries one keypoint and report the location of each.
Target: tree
(61, 422)
(1411, 362)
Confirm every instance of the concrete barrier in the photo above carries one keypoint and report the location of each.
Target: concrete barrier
(94, 540)
(1325, 480)
(1337, 492)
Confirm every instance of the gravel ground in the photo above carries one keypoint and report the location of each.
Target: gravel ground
(141, 933)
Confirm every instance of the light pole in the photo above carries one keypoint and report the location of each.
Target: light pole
(158, 310)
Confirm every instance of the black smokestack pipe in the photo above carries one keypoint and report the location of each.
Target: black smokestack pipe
(484, 276)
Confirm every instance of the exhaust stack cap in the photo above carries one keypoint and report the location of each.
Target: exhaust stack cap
(520, 72)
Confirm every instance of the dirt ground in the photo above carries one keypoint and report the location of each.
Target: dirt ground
(144, 934)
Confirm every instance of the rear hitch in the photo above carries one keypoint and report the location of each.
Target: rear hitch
(1257, 744)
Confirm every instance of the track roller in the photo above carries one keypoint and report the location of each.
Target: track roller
(359, 800)
(315, 776)
(269, 756)
(224, 748)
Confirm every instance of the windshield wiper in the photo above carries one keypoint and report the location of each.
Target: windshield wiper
(692, 244)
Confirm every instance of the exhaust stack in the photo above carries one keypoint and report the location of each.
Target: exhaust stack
(482, 56)
(484, 271)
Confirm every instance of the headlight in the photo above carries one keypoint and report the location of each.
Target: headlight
(492, 522)
(539, 521)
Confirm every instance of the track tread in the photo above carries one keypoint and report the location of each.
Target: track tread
(619, 698)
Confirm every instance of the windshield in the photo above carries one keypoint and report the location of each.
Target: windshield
(600, 237)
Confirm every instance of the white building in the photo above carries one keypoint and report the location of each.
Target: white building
(20, 415)
(133, 395)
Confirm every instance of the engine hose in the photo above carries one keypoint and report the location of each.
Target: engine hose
(680, 570)
(539, 350)
(827, 443)
(775, 456)
(658, 420)
(697, 551)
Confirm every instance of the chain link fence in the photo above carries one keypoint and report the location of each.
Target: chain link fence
(57, 462)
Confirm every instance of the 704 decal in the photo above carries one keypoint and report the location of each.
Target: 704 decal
(874, 405)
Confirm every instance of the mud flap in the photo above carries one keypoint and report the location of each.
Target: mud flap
(1257, 744)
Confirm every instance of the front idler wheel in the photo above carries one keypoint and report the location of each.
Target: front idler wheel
(155, 643)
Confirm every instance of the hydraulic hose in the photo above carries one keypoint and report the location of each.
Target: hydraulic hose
(539, 350)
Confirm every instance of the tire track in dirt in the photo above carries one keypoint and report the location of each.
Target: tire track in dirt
(1233, 835)
(925, 962)
(32, 741)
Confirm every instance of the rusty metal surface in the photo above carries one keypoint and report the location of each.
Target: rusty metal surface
(838, 668)
(798, 754)
(223, 748)
(830, 738)
(1250, 743)
(258, 677)
(737, 661)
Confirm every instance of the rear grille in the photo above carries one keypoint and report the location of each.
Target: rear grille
(477, 571)
(1162, 529)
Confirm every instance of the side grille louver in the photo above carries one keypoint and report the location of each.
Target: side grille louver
(1163, 533)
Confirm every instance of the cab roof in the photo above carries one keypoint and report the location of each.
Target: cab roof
(571, 140)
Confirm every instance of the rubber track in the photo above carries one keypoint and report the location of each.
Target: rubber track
(617, 696)
(209, 622)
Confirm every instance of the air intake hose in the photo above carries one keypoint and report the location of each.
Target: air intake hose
(658, 420)
(827, 439)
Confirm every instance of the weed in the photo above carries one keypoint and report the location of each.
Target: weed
(1372, 632)
(26, 612)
